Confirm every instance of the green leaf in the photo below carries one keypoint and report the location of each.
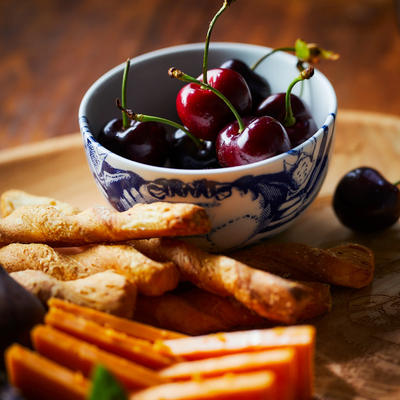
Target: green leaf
(105, 386)
(312, 53)
(302, 51)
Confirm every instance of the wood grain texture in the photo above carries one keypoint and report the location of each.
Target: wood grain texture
(56, 166)
(358, 349)
(52, 51)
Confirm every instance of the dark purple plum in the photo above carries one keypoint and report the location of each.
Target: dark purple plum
(365, 201)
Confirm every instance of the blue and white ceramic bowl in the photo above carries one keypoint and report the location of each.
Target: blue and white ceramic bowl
(246, 203)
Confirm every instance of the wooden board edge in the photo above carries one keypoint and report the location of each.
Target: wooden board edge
(41, 148)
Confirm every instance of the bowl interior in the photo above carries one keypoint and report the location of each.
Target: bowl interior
(151, 91)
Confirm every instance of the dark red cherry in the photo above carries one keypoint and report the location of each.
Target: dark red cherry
(185, 154)
(304, 127)
(365, 201)
(291, 111)
(204, 113)
(109, 135)
(144, 142)
(262, 138)
(259, 87)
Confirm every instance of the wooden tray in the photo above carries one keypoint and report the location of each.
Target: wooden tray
(358, 342)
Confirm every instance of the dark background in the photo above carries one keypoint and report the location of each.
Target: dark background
(51, 51)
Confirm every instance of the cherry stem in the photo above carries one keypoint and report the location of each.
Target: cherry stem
(149, 118)
(397, 183)
(176, 73)
(257, 63)
(290, 120)
(300, 67)
(125, 119)
(226, 4)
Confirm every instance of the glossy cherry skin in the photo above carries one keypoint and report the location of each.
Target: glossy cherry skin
(185, 154)
(144, 142)
(203, 112)
(365, 201)
(305, 126)
(109, 135)
(259, 87)
(263, 138)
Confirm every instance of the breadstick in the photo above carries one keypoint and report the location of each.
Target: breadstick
(150, 277)
(196, 312)
(350, 265)
(173, 313)
(320, 300)
(44, 224)
(268, 295)
(105, 291)
(13, 199)
(228, 310)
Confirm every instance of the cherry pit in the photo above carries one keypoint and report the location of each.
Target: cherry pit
(228, 116)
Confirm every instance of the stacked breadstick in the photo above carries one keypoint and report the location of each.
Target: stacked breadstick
(103, 276)
(135, 252)
(154, 364)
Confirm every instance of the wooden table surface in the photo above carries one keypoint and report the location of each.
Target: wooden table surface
(52, 51)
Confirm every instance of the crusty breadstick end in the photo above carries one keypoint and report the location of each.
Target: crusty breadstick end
(349, 265)
(13, 199)
(268, 295)
(105, 291)
(150, 277)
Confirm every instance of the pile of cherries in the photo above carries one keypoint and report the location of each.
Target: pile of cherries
(229, 117)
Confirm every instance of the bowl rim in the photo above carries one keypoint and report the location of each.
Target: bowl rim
(330, 118)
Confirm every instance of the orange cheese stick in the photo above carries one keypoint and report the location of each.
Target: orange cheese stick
(250, 386)
(136, 350)
(301, 338)
(281, 362)
(39, 378)
(78, 355)
(131, 328)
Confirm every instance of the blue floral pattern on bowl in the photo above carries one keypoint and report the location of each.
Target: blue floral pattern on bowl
(273, 200)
